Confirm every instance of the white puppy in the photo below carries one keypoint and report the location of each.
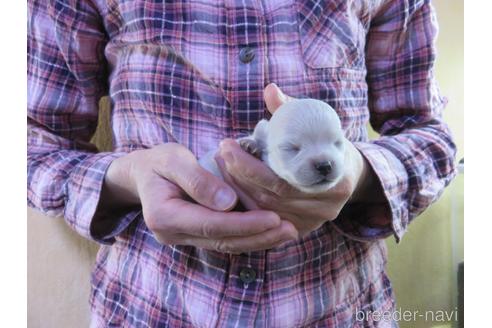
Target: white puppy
(303, 143)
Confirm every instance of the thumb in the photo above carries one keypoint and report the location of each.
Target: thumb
(274, 97)
(201, 185)
(209, 190)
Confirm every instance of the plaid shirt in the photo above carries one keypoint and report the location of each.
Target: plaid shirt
(193, 72)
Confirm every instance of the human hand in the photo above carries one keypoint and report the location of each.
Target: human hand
(259, 187)
(166, 179)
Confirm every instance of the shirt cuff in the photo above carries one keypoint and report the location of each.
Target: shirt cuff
(83, 191)
(367, 221)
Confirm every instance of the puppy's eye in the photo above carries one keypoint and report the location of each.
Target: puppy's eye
(291, 148)
(338, 143)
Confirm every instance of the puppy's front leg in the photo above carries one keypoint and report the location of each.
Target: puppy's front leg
(251, 146)
(255, 144)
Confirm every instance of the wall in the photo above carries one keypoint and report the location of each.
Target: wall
(422, 266)
(59, 264)
(60, 261)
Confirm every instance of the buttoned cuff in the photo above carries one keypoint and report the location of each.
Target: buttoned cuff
(369, 221)
(83, 192)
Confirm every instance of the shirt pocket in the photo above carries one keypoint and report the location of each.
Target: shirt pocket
(331, 34)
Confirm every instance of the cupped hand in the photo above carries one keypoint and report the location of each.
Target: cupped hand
(183, 204)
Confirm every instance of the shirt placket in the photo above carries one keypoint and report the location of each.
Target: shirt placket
(246, 47)
(241, 301)
(246, 57)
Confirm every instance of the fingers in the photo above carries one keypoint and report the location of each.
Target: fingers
(184, 170)
(244, 167)
(173, 220)
(266, 240)
(274, 97)
(181, 217)
(255, 198)
(241, 191)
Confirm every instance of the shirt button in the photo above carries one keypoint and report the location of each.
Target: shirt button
(246, 55)
(247, 275)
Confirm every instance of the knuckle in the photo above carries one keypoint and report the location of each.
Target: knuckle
(281, 188)
(336, 212)
(261, 200)
(264, 200)
(247, 174)
(271, 242)
(151, 220)
(161, 148)
(221, 246)
(164, 239)
(208, 230)
(164, 149)
(170, 155)
(158, 219)
(345, 188)
(166, 163)
(197, 185)
(322, 212)
(235, 250)
(168, 146)
(333, 214)
(168, 222)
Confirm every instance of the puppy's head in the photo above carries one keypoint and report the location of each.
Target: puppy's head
(305, 145)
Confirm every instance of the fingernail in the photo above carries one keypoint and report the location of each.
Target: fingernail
(273, 220)
(226, 155)
(224, 198)
(219, 160)
(282, 96)
(280, 93)
(223, 143)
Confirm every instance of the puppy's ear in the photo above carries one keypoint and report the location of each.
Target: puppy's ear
(274, 97)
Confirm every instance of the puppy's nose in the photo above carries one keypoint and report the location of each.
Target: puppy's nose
(324, 168)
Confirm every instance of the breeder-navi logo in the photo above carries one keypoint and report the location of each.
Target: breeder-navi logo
(406, 315)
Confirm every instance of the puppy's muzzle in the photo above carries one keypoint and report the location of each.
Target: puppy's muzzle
(323, 168)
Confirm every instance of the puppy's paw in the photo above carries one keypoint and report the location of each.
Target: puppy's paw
(251, 146)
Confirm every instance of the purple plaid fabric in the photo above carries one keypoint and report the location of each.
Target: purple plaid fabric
(176, 71)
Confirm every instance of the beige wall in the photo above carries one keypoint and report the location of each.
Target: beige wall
(59, 263)
(422, 267)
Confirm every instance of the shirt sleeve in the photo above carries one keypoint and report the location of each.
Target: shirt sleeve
(414, 156)
(67, 76)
